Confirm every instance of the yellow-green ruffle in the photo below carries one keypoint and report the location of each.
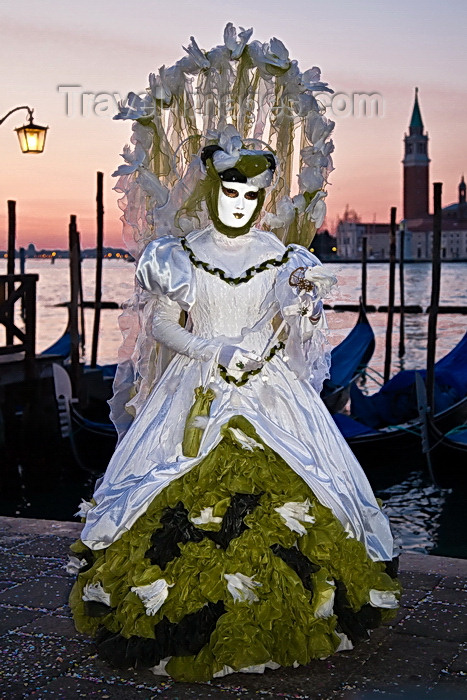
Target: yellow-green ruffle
(281, 626)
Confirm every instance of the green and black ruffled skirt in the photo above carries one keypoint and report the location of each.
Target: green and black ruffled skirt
(222, 572)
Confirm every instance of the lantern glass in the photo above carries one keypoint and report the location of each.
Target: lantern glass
(32, 138)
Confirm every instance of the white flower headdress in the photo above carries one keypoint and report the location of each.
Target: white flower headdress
(247, 97)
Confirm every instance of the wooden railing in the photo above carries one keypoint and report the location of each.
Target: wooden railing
(22, 289)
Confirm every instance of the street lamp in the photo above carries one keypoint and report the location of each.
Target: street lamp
(31, 136)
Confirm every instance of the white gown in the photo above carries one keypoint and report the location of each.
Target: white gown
(285, 409)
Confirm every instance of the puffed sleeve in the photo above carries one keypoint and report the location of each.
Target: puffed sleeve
(302, 309)
(164, 269)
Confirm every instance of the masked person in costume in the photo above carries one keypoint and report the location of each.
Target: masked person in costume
(233, 529)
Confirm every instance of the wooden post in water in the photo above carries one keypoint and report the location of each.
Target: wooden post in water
(11, 261)
(435, 289)
(99, 256)
(22, 261)
(74, 296)
(22, 270)
(392, 276)
(30, 323)
(11, 237)
(80, 297)
(401, 291)
(364, 270)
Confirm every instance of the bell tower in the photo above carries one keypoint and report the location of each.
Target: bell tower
(462, 191)
(416, 167)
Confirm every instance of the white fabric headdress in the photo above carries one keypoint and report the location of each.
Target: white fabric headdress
(246, 97)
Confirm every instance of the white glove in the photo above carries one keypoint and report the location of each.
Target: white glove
(238, 359)
(167, 330)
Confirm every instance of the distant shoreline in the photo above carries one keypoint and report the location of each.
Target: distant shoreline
(386, 260)
(120, 254)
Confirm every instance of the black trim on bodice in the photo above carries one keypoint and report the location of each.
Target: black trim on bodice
(230, 379)
(246, 276)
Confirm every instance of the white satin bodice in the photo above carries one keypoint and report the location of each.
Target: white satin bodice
(234, 255)
(232, 311)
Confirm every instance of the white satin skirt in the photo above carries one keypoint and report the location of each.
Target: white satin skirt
(287, 414)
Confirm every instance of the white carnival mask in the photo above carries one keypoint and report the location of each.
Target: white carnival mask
(237, 203)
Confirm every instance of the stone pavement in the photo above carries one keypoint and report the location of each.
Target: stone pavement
(422, 654)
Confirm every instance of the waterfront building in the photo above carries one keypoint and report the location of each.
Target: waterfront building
(454, 231)
(350, 232)
(417, 221)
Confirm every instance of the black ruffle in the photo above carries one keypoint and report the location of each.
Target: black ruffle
(135, 652)
(94, 608)
(176, 529)
(185, 638)
(354, 624)
(88, 555)
(369, 616)
(189, 636)
(297, 561)
(241, 504)
(392, 567)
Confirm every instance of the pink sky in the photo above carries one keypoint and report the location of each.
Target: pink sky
(111, 46)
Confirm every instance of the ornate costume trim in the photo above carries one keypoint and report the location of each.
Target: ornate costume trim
(245, 276)
(246, 375)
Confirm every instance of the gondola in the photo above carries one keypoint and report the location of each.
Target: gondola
(396, 401)
(61, 347)
(445, 453)
(348, 360)
(387, 453)
(92, 442)
(448, 456)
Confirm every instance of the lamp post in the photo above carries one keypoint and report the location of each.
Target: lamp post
(31, 136)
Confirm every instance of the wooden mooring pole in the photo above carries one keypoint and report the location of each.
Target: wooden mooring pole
(74, 297)
(11, 237)
(435, 290)
(364, 269)
(99, 256)
(392, 277)
(82, 334)
(401, 292)
(11, 250)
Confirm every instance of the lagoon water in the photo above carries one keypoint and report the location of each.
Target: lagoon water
(425, 518)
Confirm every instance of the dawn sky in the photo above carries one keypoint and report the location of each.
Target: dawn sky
(109, 47)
